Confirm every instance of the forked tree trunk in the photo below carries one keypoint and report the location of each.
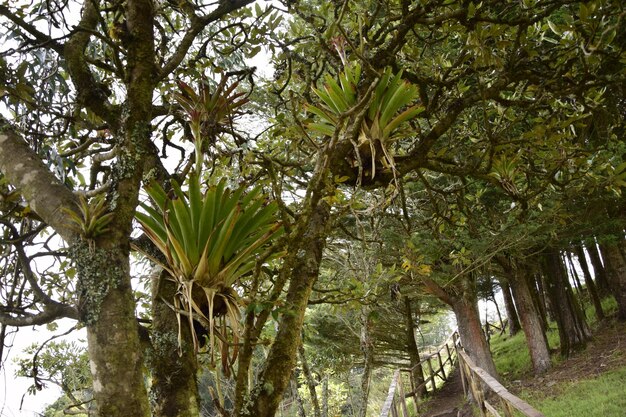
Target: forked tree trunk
(573, 330)
(531, 322)
(173, 368)
(509, 305)
(417, 372)
(591, 286)
(615, 265)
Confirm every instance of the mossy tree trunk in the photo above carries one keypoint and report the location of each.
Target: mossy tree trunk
(302, 269)
(173, 367)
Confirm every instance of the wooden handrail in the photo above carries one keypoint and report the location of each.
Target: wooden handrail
(474, 379)
(395, 403)
(471, 372)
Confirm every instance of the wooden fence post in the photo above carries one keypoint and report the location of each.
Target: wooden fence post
(432, 374)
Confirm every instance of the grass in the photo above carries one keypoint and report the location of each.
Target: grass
(554, 394)
(602, 396)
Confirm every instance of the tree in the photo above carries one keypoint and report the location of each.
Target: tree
(500, 94)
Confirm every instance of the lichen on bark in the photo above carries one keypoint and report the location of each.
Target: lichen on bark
(98, 273)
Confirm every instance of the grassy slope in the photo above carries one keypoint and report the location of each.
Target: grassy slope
(591, 383)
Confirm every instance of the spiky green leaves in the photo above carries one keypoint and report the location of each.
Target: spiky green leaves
(92, 219)
(209, 111)
(386, 112)
(209, 240)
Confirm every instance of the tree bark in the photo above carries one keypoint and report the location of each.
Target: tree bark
(573, 330)
(472, 336)
(531, 322)
(599, 272)
(282, 356)
(310, 381)
(615, 265)
(417, 373)
(591, 286)
(173, 368)
(509, 305)
(367, 347)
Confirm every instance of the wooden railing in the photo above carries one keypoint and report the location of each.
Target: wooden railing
(396, 404)
(480, 384)
(485, 390)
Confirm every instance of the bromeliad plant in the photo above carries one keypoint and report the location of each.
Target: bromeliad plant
(384, 115)
(209, 112)
(209, 239)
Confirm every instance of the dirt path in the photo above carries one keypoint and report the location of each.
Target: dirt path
(449, 401)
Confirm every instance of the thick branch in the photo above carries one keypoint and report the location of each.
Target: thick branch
(90, 93)
(47, 196)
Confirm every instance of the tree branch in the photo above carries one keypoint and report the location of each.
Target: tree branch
(47, 196)
(197, 25)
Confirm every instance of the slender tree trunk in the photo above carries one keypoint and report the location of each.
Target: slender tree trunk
(310, 381)
(303, 270)
(417, 373)
(615, 266)
(573, 330)
(325, 395)
(591, 286)
(509, 305)
(472, 336)
(531, 321)
(599, 272)
(569, 265)
(367, 347)
(296, 395)
(173, 368)
(538, 294)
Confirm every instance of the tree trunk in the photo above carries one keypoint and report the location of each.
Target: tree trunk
(174, 386)
(615, 265)
(107, 307)
(569, 265)
(591, 286)
(531, 322)
(538, 294)
(573, 330)
(417, 373)
(310, 381)
(303, 269)
(325, 395)
(599, 272)
(367, 347)
(509, 305)
(296, 395)
(472, 336)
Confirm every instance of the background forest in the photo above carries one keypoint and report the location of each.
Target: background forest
(251, 206)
